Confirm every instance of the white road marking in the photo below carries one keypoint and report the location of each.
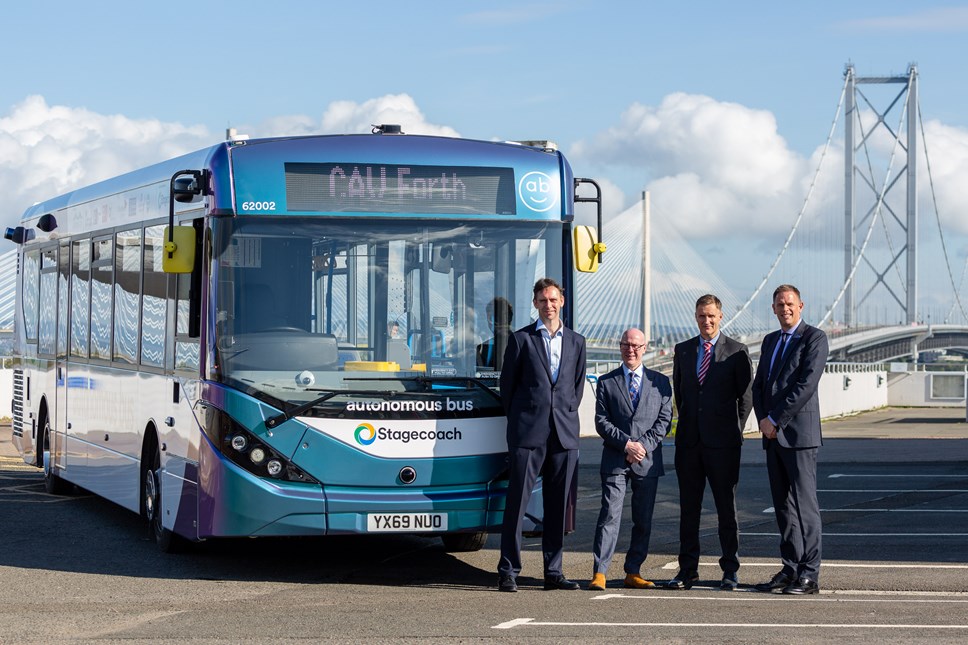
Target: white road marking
(885, 510)
(530, 622)
(826, 534)
(893, 490)
(839, 475)
(751, 595)
(835, 565)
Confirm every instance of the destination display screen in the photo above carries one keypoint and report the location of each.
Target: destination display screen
(388, 188)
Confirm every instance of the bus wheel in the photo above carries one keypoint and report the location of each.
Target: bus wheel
(52, 483)
(455, 542)
(166, 540)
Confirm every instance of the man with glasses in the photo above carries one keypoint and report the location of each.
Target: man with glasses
(712, 374)
(633, 413)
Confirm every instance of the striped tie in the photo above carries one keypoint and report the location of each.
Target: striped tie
(634, 389)
(707, 354)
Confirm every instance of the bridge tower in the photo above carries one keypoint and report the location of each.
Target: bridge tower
(905, 139)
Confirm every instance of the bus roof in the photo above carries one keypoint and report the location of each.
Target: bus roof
(254, 170)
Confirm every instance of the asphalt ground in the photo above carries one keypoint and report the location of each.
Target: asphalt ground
(893, 492)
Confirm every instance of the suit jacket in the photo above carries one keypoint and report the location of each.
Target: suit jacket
(533, 404)
(789, 395)
(716, 411)
(648, 424)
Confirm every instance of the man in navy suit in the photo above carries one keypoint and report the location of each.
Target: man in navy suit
(633, 413)
(542, 382)
(786, 404)
(712, 374)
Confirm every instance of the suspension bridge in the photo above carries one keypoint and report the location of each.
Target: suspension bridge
(868, 222)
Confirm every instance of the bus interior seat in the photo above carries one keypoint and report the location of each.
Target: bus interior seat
(399, 352)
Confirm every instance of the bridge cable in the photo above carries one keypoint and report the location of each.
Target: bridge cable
(796, 223)
(937, 215)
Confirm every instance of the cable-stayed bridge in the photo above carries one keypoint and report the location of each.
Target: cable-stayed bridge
(867, 234)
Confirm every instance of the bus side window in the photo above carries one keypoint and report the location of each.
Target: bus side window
(188, 306)
(31, 289)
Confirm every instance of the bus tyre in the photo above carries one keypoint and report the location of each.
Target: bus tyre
(166, 540)
(462, 542)
(52, 483)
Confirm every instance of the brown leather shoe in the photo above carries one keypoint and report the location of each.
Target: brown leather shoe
(635, 581)
(597, 583)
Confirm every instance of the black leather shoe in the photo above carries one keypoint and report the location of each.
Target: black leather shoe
(682, 581)
(776, 583)
(559, 582)
(730, 581)
(802, 587)
(507, 583)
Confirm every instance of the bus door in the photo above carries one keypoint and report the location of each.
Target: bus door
(60, 424)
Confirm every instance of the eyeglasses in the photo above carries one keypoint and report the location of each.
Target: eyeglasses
(634, 348)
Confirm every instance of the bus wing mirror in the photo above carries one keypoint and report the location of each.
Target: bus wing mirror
(587, 249)
(179, 253)
(185, 189)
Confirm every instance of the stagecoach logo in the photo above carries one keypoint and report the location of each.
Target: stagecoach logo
(538, 191)
(366, 434)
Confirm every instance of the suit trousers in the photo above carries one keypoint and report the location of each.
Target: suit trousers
(793, 485)
(720, 466)
(557, 466)
(610, 519)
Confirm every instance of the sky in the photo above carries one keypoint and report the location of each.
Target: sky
(719, 109)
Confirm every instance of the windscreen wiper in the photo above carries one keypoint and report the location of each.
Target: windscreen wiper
(272, 422)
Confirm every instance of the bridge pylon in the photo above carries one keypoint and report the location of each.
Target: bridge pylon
(858, 166)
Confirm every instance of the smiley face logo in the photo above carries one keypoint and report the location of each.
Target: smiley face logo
(538, 191)
(365, 434)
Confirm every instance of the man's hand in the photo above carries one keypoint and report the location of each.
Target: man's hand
(767, 428)
(634, 452)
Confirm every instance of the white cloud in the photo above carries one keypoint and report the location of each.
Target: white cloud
(349, 117)
(400, 109)
(47, 150)
(720, 168)
(931, 20)
(713, 163)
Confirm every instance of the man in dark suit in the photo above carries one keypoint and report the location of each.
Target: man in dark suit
(499, 314)
(711, 374)
(787, 407)
(633, 413)
(542, 383)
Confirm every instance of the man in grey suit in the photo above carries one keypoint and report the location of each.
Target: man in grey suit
(711, 375)
(785, 400)
(633, 413)
(542, 382)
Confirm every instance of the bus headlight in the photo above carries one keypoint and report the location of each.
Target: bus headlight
(248, 450)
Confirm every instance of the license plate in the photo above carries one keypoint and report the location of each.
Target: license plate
(405, 522)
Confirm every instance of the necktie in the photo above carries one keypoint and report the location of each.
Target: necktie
(778, 356)
(634, 389)
(707, 355)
